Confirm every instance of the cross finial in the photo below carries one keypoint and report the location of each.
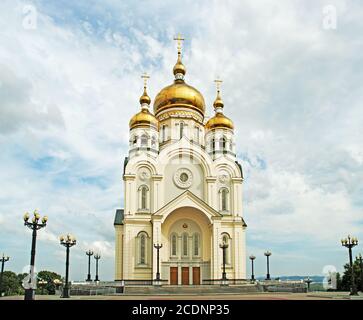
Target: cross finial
(179, 40)
(145, 76)
(218, 84)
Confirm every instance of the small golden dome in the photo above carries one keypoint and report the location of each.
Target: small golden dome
(219, 121)
(218, 102)
(179, 67)
(144, 119)
(145, 98)
(179, 94)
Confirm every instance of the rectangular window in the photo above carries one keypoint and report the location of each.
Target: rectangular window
(185, 245)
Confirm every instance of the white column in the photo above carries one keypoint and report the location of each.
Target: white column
(211, 192)
(130, 194)
(119, 251)
(237, 196)
(156, 195)
(128, 260)
(216, 255)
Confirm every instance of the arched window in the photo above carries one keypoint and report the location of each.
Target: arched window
(185, 244)
(134, 140)
(153, 141)
(181, 132)
(223, 144)
(163, 133)
(142, 249)
(142, 244)
(224, 199)
(197, 134)
(212, 144)
(196, 244)
(173, 245)
(144, 140)
(143, 197)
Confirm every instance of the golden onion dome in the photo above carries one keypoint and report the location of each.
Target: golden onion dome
(179, 67)
(145, 98)
(179, 94)
(219, 121)
(144, 119)
(218, 102)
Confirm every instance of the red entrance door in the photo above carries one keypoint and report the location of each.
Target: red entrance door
(196, 275)
(174, 275)
(185, 275)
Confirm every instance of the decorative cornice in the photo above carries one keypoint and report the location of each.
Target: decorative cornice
(156, 177)
(129, 177)
(169, 112)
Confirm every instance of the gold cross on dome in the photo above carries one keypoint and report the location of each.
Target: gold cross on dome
(145, 76)
(218, 83)
(179, 40)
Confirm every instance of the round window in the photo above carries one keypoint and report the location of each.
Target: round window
(183, 177)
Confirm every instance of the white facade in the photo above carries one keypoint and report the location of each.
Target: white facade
(183, 191)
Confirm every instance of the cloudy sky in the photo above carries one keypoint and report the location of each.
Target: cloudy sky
(70, 81)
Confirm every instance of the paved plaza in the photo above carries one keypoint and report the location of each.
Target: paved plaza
(249, 296)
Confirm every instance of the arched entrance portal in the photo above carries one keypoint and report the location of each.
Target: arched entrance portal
(186, 258)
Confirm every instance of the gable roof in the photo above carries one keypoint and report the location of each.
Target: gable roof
(187, 199)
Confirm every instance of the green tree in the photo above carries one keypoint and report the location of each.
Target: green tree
(11, 284)
(346, 280)
(48, 276)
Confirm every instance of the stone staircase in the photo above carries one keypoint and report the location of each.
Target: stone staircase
(191, 290)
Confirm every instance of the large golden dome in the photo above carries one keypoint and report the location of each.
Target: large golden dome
(144, 119)
(179, 94)
(219, 121)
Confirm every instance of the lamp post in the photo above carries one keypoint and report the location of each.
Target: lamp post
(57, 284)
(349, 243)
(268, 254)
(97, 257)
(29, 283)
(308, 281)
(89, 253)
(361, 271)
(252, 258)
(224, 247)
(3, 260)
(67, 241)
(157, 246)
(42, 283)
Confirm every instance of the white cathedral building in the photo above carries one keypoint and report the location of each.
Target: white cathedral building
(182, 190)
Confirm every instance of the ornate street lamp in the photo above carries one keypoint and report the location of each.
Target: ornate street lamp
(268, 254)
(42, 284)
(57, 284)
(252, 258)
(224, 247)
(67, 241)
(3, 260)
(157, 246)
(89, 253)
(308, 281)
(361, 271)
(97, 257)
(349, 243)
(29, 282)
